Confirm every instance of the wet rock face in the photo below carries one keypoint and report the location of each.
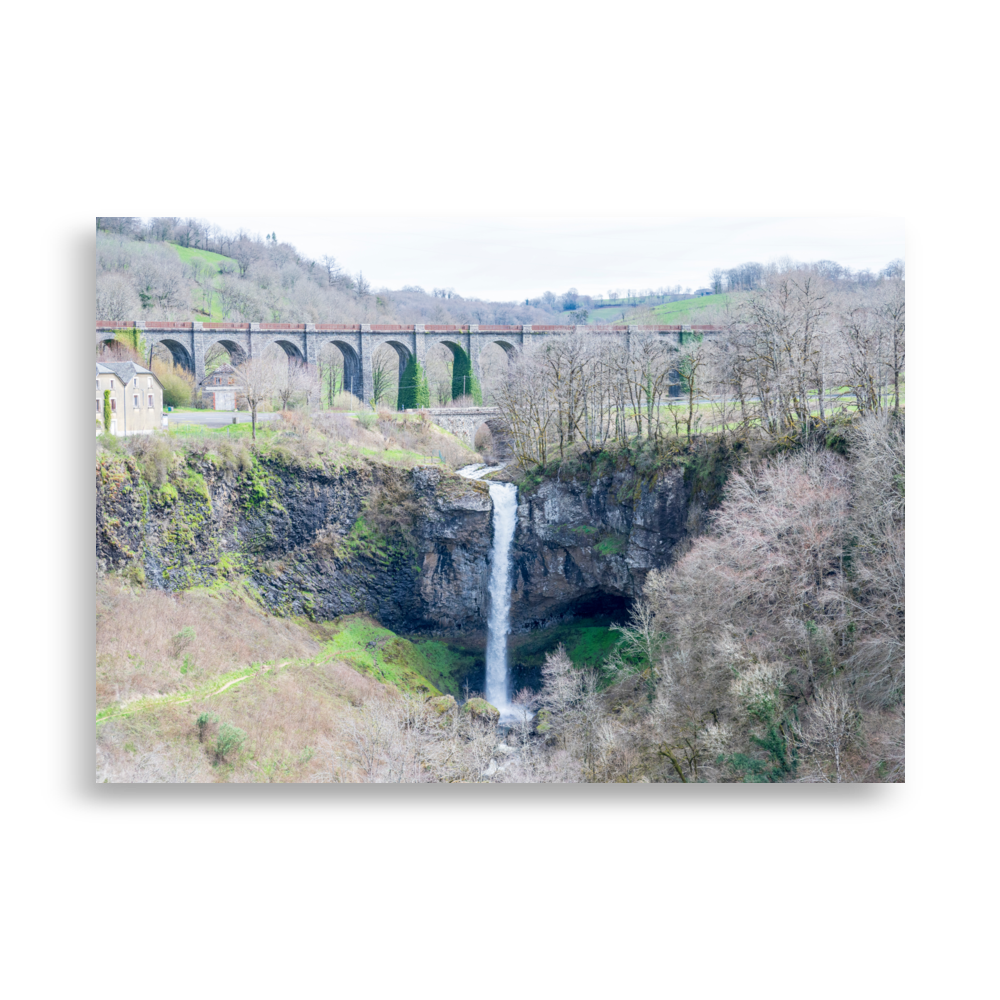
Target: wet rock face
(577, 541)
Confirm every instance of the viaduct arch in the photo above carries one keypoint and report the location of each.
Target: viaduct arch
(188, 342)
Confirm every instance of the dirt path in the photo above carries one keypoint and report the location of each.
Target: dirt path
(171, 699)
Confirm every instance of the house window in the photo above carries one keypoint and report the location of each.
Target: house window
(98, 405)
(97, 383)
(135, 383)
(150, 400)
(114, 404)
(149, 383)
(135, 400)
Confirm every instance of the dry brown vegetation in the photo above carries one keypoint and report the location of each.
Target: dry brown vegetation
(307, 439)
(773, 650)
(311, 719)
(153, 642)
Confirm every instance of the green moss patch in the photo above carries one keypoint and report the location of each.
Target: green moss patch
(588, 641)
(613, 545)
(363, 644)
(446, 666)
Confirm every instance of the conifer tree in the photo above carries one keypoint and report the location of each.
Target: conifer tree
(414, 392)
(463, 381)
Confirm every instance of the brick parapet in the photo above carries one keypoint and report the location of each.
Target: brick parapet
(153, 326)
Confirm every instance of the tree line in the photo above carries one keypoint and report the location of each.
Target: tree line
(792, 352)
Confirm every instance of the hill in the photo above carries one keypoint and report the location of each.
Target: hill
(684, 311)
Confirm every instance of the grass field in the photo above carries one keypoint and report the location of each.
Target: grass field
(276, 434)
(684, 312)
(215, 261)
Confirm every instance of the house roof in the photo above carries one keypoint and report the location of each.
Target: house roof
(221, 370)
(125, 370)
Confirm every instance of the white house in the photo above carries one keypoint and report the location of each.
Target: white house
(135, 398)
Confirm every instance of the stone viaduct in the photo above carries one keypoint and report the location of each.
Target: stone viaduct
(188, 342)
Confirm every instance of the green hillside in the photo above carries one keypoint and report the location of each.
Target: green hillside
(211, 308)
(684, 312)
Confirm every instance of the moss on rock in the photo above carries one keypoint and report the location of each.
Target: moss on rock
(480, 708)
(442, 705)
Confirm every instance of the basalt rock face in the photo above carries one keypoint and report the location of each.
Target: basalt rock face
(303, 538)
(432, 580)
(295, 534)
(583, 542)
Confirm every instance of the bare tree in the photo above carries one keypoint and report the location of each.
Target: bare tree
(116, 298)
(245, 252)
(259, 380)
(383, 364)
(301, 383)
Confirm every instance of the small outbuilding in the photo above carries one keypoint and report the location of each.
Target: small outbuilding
(220, 388)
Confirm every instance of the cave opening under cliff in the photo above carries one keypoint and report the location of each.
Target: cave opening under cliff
(584, 629)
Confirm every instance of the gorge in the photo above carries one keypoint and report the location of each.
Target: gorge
(409, 547)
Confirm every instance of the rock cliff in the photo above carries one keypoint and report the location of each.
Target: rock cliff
(303, 539)
(408, 546)
(588, 541)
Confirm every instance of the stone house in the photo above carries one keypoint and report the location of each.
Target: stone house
(220, 389)
(136, 398)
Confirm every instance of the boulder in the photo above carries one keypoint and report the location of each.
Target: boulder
(480, 708)
(443, 704)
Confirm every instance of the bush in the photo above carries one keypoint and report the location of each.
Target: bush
(154, 454)
(229, 740)
(183, 639)
(178, 385)
(205, 720)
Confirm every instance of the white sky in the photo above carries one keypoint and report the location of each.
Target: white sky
(517, 257)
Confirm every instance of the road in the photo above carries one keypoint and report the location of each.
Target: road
(217, 418)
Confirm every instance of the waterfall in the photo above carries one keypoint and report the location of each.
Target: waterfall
(504, 497)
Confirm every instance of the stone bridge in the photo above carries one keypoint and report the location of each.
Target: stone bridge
(188, 342)
(463, 422)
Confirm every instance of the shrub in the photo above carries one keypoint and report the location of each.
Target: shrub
(204, 721)
(228, 740)
(178, 385)
(183, 639)
(154, 454)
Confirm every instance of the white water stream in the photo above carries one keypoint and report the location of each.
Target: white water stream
(504, 497)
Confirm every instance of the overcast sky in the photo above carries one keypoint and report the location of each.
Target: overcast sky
(511, 258)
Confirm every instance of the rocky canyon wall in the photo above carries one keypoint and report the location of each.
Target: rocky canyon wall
(407, 546)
